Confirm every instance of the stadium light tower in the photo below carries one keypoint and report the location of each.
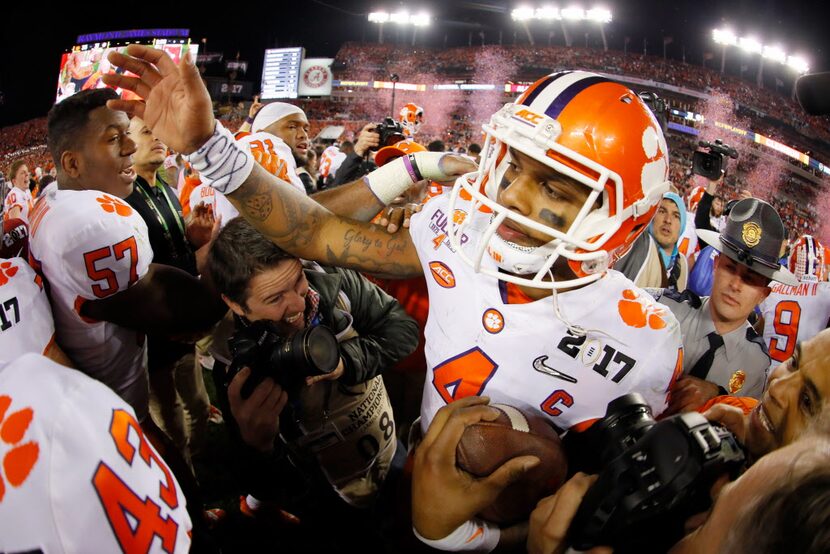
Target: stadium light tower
(752, 45)
(402, 18)
(572, 13)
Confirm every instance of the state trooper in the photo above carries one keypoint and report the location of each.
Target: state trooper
(723, 355)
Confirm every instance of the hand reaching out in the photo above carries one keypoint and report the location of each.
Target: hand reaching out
(176, 106)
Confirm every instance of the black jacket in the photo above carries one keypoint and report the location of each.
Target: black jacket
(353, 167)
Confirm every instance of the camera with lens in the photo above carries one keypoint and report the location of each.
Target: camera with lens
(286, 359)
(658, 107)
(390, 132)
(652, 476)
(710, 163)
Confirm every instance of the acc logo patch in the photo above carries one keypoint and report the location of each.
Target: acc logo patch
(736, 382)
(751, 234)
(528, 116)
(492, 320)
(442, 274)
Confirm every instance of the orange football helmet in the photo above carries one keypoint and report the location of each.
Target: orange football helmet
(590, 129)
(411, 117)
(807, 260)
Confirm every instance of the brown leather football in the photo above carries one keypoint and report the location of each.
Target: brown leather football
(486, 445)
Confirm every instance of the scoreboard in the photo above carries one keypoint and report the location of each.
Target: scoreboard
(281, 73)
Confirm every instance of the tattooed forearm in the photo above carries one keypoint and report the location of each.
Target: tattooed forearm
(368, 263)
(308, 230)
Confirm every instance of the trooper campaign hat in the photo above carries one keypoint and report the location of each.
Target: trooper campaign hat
(753, 235)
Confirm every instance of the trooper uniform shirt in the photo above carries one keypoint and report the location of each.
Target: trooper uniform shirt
(739, 366)
(485, 338)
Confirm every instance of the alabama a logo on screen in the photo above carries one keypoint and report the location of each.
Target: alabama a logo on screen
(315, 76)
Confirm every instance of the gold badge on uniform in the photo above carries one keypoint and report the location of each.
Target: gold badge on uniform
(736, 382)
(751, 234)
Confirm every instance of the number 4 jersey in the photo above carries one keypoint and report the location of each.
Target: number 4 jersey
(484, 339)
(90, 245)
(793, 314)
(78, 475)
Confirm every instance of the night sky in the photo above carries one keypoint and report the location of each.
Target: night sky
(33, 40)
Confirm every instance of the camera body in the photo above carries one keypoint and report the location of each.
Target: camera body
(655, 475)
(658, 107)
(390, 132)
(286, 359)
(710, 164)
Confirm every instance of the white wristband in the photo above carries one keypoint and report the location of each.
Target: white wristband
(471, 536)
(222, 162)
(393, 179)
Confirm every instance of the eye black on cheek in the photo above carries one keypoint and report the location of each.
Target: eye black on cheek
(505, 182)
(552, 219)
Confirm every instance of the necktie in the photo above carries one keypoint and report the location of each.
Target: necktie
(704, 364)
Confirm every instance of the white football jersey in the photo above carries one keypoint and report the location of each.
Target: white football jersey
(206, 194)
(18, 198)
(793, 314)
(78, 473)
(282, 162)
(330, 161)
(687, 244)
(521, 354)
(25, 316)
(90, 245)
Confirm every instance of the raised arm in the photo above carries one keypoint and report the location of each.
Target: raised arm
(177, 108)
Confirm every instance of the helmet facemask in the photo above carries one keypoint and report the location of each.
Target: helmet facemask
(581, 244)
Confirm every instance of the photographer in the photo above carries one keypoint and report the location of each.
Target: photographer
(338, 428)
(356, 164)
(712, 164)
(372, 137)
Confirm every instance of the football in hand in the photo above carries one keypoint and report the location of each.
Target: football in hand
(486, 445)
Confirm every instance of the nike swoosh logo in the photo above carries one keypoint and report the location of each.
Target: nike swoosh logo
(539, 365)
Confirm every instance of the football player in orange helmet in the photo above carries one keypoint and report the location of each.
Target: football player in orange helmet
(807, 260)
(411, 117)
(621, 158)
(571, 173)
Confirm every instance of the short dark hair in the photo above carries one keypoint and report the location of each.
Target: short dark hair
(238, 254)
(44, 182)
(436, 146)
(474, 148)
(68, 119)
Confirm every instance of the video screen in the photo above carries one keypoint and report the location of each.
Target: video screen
(82, 68)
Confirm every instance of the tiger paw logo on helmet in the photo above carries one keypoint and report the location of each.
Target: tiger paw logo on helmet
(637, 311)
(19, 458)
(7, 270)
(114, 206)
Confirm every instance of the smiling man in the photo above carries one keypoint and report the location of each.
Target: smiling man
(723, 353)
(94, 251)
(523, 307)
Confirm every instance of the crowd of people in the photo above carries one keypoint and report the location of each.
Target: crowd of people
(360, 61)
(357, 307)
